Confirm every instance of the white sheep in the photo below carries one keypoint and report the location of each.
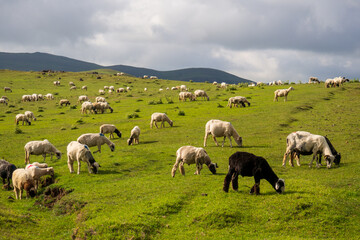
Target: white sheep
(214, 83)
(64, 101)
(101, 92)
(218, 128)
(106, 87)
(160, 117)
(119, 90)
(134, 136)
(3, 101)
(22, 180)
(84, 88)
(183, 88)
(100, 99)
(7, 89)
(83, 98)
(174, 88)
(192, 155)
(96, 139)
(186, 95)
(80, 152)
(102, 106)
(128, 88)
(40, 148)
(71, 84)
(56, 83)
(26, 98)
(40, 97)
(201, 93)
(112, 88)
(49, 96)
(282, 93)
(111, 129)
(223, 85)
(34, 97)
(85, 106)
(30, 115)
(37, 172)
(73, 88)
(237, 100)
(22, 117)
(313, 80)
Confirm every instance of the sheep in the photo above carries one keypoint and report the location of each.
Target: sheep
(110, 128)
(174, 88)
(313, 80)
(26, 98)
(119, 90)
(102, 106)
(85, 106)
(145, 89)
(30, 115)
(145, 77)
(305, 143)
(101, 92)
(248, 164)
(37, 172)
(40, 97)
(183, 88)
(5, 97)
(56, 83)
(160, 117)
(214, 83)
(40, 148)
(237, 100)
(84, 88)
(279, 82)
(338, 81)
(7, 89)
(22, 180)
(184, 95)
(128, 88)
(134, 136)
(96, 139)
(22, 117)
(71, 84)
(329, 83)
(100, 99)
(112, 88)
(34, 97)
(49, 96)
(201, 93)
(218, 128)
(83, 98)
(110, 91)
(3, 101)
(73, 88)
(153, 77)
(6, 171)
(64, 101)
(106, 87)
(190, 155)
(223, 85)
(282, 93)
(80, 152)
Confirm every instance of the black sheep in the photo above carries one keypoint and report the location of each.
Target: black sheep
(6, 171)
(247, 164)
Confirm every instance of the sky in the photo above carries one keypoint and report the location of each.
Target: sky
(260, 40)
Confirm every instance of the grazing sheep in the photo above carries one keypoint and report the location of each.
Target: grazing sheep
(174, 88)
(96, 139)
(56, 83)
(329, 83)
(247, 164)
(5, 97)
(106, 87)
(237, 100)
(73, 88)
(145, 76)
(282, 93)
(7, 89)
(83, 98)
(214, 83)
(190, 155)
(71, 84)
(304, 143)
(338, 81)
(112, 88)
(84, 88)
(30, 115)
(201, 93)
(26, 98)
(119, 90)
(102, 106)
(34, 97)
(40, 97)
(64, 101)
(110, 128)
(160, 117)
(153, 77)
(22, 117)
(100, 99)
(3, 101)
(37, 172)
(49, 96)
(85, 106)
(40, 148)
(183, 88)
(80, 152)
(101, 92)
(313, 80)
(22, 180)
(6, 171)
(186, 95)
(223, 85)
(128, 88)
(145, 89)
(218, 128)
(134, 136)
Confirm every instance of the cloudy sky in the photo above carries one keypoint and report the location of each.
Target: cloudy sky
(261, 40)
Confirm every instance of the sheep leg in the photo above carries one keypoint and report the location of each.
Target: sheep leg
(205, 138)
(44, 155)
(223, 141)
(156, 125)
(16, 193)
(298, 159)
(99, 149)
(229, 140)
(217, 144)
(235, 181)
(198, 168)
(285, 157)
(70, 165)
(173, 171)
(310, 164)
(228, 179)
(79, 166)
(182, 169)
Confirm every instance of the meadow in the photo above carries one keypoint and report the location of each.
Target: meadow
(134, 196)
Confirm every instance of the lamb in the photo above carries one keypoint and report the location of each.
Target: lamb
(218, 128)
(40, 148)
(23, 180)
(100, 99)
(6, 171)
(7, 89)
(22, 117)
(83, 98)
(37, 172)
(64, 101)
(134, 136)
(305, 143)
(237, 100)
(247, 164)
(282, 93)
(110, 128)
(190, 155)
(3, 101)
(201, 93)
(184, 95)
(80, 152)
(96, 139)
(160, 117)
(30, 115)
(85, 106)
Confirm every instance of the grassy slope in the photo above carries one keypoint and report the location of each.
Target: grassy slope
(134, 194)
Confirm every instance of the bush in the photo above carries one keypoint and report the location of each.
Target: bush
(73, 107)
(137, 110)
(220, 106)
(181, 113)
(133, 115)
(18, 130)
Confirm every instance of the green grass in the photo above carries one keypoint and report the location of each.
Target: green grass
(134, 195)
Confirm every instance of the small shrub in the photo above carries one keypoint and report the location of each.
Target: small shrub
(55, 94)
(73, 107)
(137, 110)
(74, 127)
(181, 113)
(61, 113)
(191, 81)
(11, 106)
(152, 103)
(18, 130)
(139, 100)
(40, 110)
(8, 112)
(129, 95)
(133, 115)
(159, 102)
(80, 121)
(63, 128)
(21, 108)
(220, 106)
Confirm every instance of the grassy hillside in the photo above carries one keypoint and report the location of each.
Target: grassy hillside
(134, 195)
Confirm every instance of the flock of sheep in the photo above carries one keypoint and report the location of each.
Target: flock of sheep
(240, 163)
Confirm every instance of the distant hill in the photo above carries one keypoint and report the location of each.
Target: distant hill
(40, 61)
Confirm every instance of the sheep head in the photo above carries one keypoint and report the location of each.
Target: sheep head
(238, 141)
(58, 154)
(171, 123)
(112, 147)
(30, 189)
(329, 160)
(95, 167)
(280, 186)
(212, 167)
